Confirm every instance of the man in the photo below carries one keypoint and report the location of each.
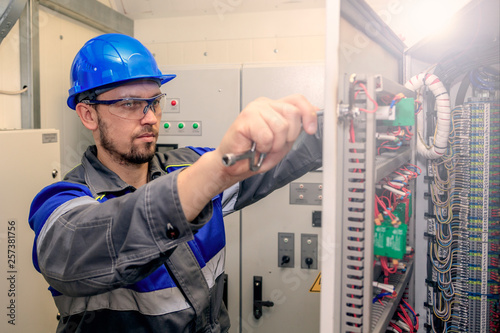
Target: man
(132, 240)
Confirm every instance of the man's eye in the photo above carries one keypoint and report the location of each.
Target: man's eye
(130, 104)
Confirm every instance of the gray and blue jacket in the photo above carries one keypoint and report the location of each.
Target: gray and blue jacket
(121, 259)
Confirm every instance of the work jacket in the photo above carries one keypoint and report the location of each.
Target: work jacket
(121, 259)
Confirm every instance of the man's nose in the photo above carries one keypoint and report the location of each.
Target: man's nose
(150, 117)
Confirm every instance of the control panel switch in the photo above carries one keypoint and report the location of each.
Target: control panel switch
(286, 250)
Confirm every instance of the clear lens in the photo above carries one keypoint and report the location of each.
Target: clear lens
(136, 108)
(159, 104)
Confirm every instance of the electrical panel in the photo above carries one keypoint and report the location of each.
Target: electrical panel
(266, 252)
(202, 103)
(459, 202)
(284, 214)
(378, 175)
(417, 180)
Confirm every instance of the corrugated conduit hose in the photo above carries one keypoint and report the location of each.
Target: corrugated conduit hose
(438, 149)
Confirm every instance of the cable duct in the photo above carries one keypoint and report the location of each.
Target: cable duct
(438, 149)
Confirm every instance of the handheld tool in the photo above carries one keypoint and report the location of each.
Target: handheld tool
(231, 159)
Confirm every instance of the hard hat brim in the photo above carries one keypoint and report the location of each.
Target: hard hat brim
(72, 100)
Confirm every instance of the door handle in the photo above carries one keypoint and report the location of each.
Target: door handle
(258, 303)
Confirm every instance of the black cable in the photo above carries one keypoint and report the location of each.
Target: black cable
(462, 90)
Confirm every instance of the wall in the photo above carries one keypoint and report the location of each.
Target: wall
(278, 36)
(10, 80)
(266, 37)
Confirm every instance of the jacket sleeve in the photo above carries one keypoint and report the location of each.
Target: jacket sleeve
(84, 247)
(305, 156)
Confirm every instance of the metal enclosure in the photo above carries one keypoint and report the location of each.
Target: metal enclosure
(205, 95)
(350, 271)
(295, 309)
(476, 27)
(67, 25)
(210, 97)
(361, 170)
(65, 37)
(30, 161)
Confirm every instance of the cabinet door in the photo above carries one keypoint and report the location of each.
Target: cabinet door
(284, 273)
(30, 161)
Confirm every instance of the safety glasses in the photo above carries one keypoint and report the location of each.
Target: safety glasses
(132, 107)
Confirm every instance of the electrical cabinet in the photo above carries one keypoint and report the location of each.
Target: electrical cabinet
(363, 170)
(449, 273)
(287, 211)
(30, 161)
(210, 97)
(335, 225)
(458, 204)
(202, 102)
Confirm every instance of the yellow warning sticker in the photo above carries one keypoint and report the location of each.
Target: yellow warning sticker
(316, 287)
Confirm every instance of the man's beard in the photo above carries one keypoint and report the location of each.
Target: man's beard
(136, 155)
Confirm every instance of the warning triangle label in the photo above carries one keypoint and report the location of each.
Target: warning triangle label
(316, 287)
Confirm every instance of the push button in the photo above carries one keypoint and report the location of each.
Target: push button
(172, 232)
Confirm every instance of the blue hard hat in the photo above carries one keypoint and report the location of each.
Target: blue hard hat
(110, 60)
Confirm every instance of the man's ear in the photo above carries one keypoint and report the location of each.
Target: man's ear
(88, 116)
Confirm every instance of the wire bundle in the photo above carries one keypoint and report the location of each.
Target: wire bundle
(485, 78)
(464, 252)
(405, 319)
(438, 149)
(449, 248)
(483, 221)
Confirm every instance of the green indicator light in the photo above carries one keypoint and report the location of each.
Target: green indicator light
(166, 125)
(181, 125)
(196, 125)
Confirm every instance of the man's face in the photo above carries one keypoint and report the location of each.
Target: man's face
(129, 141)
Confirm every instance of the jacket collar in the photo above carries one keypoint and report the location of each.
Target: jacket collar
(101, 180)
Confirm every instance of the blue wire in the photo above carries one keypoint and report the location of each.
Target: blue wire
(380, 296)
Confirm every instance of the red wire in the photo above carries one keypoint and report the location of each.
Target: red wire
(404, 176)
(384, 207)
(406, 318)
(383, 197)
(413, 312)
(403, 318)
(396, 186)
(396, 327)
(419, 170)
(413, 173)
(385, 267)
(369, 97)
(385, 147)
(396, 133)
